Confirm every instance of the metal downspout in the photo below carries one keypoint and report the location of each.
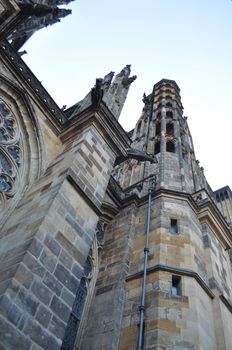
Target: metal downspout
(146, 251)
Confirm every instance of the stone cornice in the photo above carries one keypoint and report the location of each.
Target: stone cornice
(207, 212)
(19, 67)
(103, 120)
(175, 270)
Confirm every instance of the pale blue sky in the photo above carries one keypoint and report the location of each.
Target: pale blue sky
(185, 40)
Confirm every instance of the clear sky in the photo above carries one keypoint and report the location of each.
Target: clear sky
(188, 41)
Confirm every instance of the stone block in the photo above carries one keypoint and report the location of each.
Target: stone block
(40, 336)
(36, 247)
(24, 276)
(51, 282)
(66, 259)
(77, 270)
(34, 265)
(41, 292)
(26, 302)
(60, 309)
(68, 297)
(52, 244)
(57, 327)
(48, 259)
(11, 338)
(65, 277)
(43, 315)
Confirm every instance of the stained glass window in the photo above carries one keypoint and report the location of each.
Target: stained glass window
(10, 151)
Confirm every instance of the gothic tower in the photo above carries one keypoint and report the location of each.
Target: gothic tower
(188, 293)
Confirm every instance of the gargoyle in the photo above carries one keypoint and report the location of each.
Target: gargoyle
(132, 153)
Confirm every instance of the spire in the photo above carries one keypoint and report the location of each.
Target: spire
(115, 95)
(36, 16)
(163, 131)
(112, 92)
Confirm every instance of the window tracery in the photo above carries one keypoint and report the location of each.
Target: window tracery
(78, 317)
(10, 151)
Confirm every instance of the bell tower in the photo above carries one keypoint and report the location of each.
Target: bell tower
(163, 130)
(188, 299)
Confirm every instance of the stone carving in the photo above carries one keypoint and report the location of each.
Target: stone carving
(113, 94)
(10, 151)
(36, 16)
(133, 153)
(97, 93)
(16, 61)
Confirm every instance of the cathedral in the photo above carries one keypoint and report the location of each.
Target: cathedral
(109, 240)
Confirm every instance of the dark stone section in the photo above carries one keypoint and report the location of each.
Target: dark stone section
(24, 276)
(77, 270)
(52, 244)
(26, 302)
(66, 259)
(34, 265)
(60, 309)
(35, 247)
(52, 283)
(41, 292)
(48, 260)
(64, 276)
(57, 327)
(10, 310)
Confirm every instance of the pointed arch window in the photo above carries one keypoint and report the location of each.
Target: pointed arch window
(10, 151)
(169, 114)
(78, 317)
(170, 147)
(158, 129)
(157, 147)
(170, 129)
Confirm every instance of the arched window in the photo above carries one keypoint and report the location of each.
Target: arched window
(170, 129)
(158, 115)
(75, 316)
(157, 147)
(10, 151)
(226, 194)
(222, 196)
(77, 321)
(158, 129)
(217, 198)
(170, 147)
(168, 104)
(169, 114)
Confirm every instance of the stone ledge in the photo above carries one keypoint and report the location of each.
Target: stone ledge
(177, 270)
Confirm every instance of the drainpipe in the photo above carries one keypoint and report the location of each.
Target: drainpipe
(146, 251)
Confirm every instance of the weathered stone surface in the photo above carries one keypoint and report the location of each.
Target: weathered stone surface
(40, 336)
(43, 315)
(10, 337)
